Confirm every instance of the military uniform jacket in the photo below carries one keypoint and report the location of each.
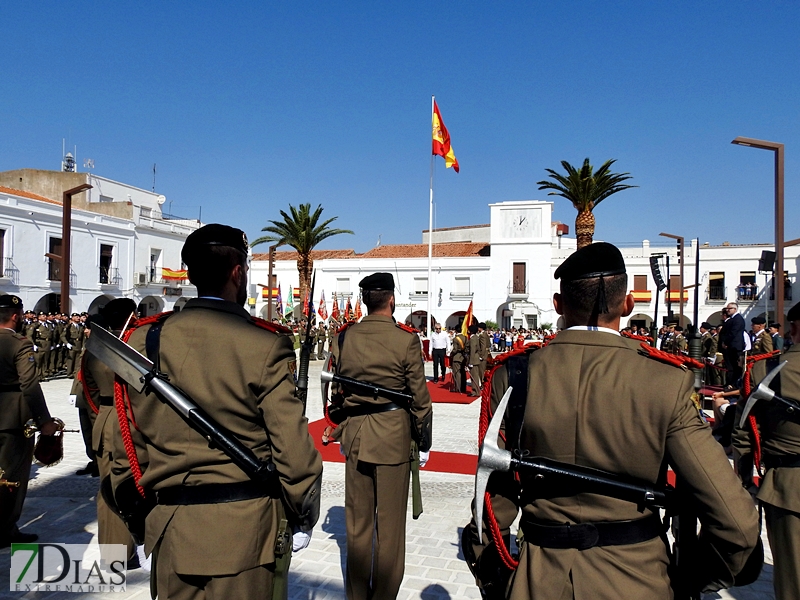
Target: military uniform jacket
(99, 381)
(586, 405)
(18, 368)
(244, 378)
(706, 342)
(474, 350)
(485, 346)
(459, 347)
(780, 437)
(42, 336)
(762, 343)
(73, 334)
(377, 351)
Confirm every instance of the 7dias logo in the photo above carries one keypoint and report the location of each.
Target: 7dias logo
(68, 568)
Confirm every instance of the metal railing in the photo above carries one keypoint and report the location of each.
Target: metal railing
(716, 292)
(517, 288)
(10, 271)
(746, 292)
(110, 276)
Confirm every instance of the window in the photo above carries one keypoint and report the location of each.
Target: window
(146, 212)
(716, 286)
(518, 283)
(747, 288)
(674, 283)
(461, 286)
(421, 286)
(343, 286)
(155, 264)
(532, 321)
(640, 283)
(54, 259)
(106, 259)
(105, 198)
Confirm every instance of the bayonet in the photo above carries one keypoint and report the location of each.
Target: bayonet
(764, 392)
(492, 458)
(140, 373)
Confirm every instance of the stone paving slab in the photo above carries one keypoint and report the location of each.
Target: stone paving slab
(61, 508)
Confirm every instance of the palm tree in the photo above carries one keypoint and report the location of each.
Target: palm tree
(585, 190)
(302, 231)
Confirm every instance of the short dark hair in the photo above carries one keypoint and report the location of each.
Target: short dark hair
(376, 299)
(8, 312)
(210, 267)
(580, 297)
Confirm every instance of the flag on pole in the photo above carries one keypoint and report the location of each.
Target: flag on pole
(348, 310)
(441, 140)
(358, 308)
(467, 321)
(289, 304)
(335, 314)
(322, 311)
(306, 306)
(279, 301)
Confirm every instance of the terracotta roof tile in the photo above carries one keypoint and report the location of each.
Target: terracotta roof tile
(315, 254)
(12, 191)
(421, 250)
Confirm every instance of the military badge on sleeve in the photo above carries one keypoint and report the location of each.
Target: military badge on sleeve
(293, 369)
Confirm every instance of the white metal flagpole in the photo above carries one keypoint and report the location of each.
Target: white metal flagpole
(430, 242)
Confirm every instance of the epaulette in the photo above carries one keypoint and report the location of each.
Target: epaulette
(494, 363)
(344, 326)
(269, 326)
(684, 362)
(407, 328)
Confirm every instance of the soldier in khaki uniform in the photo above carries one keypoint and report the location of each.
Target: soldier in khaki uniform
(41, 335)
(762, 344)
(21, 399)
(377, 441)
(679, 344)
(214, 531)
(458, 356)
(586, 405)
(99, 380)
(475, 359)
(780, 443)
(72, 339)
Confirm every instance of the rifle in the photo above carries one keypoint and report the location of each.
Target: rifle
(305, 351)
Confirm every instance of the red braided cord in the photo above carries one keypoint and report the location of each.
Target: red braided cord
(497, 535)
(751, 419)
(273, 327)
(641, 338)
(86, 388)
(678, 360)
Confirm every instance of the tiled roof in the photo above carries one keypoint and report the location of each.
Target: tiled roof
(12, 191)
(421, 250)
(459, 228)
(315, 254)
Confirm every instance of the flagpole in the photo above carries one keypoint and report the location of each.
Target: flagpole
(430, 241)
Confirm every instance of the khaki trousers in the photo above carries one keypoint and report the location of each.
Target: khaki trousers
(376, 498)
(111, 529)
(16, 455)
(783, 531)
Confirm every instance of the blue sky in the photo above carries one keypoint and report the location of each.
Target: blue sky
(246, 107)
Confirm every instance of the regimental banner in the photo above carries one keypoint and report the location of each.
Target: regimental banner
(78, 568)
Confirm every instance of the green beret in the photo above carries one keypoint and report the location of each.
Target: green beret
(377, 282)
(214, 235)
(10, 301)
(595, 260)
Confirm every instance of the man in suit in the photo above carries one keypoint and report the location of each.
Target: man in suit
(376, 440)
(731, 341)
(585, 388)
(21, 399)
(214, 530)
(780, 441)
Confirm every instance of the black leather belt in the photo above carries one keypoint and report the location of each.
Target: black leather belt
(106, 401)
(370, 409)
(583, 536)
(10, 387)
(213, 493)
(773, 462)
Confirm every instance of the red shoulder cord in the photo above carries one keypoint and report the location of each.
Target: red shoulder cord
(122, 406)
(483, 425)
(86, 388)
(273, 327)
(641, 338)
(407, 328)
(678, 360)
(751, 418)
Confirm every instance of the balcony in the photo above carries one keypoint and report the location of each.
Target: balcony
(642, 295)
(10, 271)
(787, 291)
(418, 295)
(716, 293)
(461, 295)
(110, 276)
(746, 292)
(677, 296)
(517, 290)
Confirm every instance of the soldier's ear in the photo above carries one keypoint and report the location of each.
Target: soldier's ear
(630, 303)
(558, 303)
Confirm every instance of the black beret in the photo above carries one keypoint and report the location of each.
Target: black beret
(214, 234)
(678, 328)
(794, 313)
(74, 315)
(116, 312)
(758, 320)
(9, 301)
(482, 325)
(473, 328)
(705, 325)
(42, 313)
(595, 260)
(775, 325)
(377, 281)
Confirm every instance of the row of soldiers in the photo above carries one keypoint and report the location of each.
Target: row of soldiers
(57, 341)
(319, 335)
(470, 353)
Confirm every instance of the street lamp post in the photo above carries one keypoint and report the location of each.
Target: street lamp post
(66, 246)
(779, 242)
(681, 259)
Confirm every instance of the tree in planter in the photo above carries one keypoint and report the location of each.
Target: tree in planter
(302, 231)
(585, 189)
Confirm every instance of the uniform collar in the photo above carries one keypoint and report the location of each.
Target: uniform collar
(219, 305)
(593, 328)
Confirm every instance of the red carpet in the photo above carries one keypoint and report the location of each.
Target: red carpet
(441, 392)
(442, 462)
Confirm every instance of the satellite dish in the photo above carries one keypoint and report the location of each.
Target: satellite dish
(162, 198)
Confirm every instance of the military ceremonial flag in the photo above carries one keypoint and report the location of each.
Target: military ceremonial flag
(289, 304)
(335, 314)
(306, 307)
(279, 301)
(348, 310)
(441, 140)
(322, 311)
(467, 321)
(358, 309)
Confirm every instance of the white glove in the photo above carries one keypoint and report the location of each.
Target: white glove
(35, 348)
(423, 458)
(69, 346)
(72, 399)
(300, 540)
(144, 561)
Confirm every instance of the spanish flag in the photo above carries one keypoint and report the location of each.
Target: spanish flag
(467, 321)
(441, 140)
(173, 274)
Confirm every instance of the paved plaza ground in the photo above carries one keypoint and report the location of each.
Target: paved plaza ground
(61, 508)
